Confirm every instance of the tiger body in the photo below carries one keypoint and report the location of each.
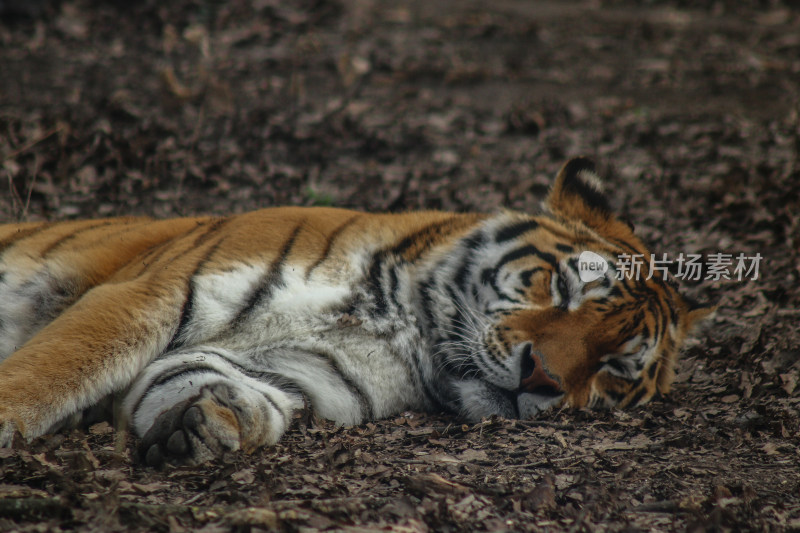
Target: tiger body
(213, 331)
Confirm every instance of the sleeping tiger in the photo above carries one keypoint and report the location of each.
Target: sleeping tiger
(209, 333)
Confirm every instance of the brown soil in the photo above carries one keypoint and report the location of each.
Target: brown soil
(203, 106)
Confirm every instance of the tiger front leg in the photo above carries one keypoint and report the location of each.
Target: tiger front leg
(91, 350)
(192, 407)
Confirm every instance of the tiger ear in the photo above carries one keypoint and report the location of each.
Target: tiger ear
(578, 194)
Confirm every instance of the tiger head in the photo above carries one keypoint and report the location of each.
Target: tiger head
(556, 320)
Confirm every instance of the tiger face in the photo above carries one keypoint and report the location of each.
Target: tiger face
(533, 333)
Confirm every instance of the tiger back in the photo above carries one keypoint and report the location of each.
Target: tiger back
(213, 331)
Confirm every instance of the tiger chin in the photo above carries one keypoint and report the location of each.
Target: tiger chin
(212, 332)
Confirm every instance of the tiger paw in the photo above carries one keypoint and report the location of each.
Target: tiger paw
(221, 418)
(195, 430)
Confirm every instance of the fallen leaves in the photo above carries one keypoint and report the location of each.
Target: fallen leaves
(166, 109)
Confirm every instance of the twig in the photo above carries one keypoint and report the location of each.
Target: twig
(544, 423)
(15, 198)
(319, 503)
(33, 143)
(351, 94)
(170, 508)
(37, 166)
(26, 507)
(16, 153)
(665, 506)
(579, 521)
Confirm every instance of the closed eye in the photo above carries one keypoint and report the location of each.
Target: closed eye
(625, 368)
(620, 369)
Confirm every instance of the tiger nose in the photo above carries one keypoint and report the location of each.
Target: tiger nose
(534, 377)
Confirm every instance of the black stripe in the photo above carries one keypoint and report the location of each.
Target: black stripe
(426, 302)
(24, 234)
(279, 381)
(394, 284)
(352, 386)
(525, 251)
(165, 378)
(214, 226)
(573, 183)
(664, 307)
(615, 396)
(630, 328)
(526, 275)
(673, 313)
(183, 370)
(493, 354)
(461, 368)
(459, 316)
(566, 248)
(563, 291)
(652, 306)
(422, 238)
(432, 394)
(66, 238)
(636, 398)
(515, 230)
(187, 309)
(334, 235)
(617, 365)
(258, 376)
(424, 235)
(375, 283)
(624, 245)
(274, 405)
(469, 245)
(651, 370)
(572, 262)
(489, 277)
(270, 280)
(151, 256)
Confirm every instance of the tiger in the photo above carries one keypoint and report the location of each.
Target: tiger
(209, 334)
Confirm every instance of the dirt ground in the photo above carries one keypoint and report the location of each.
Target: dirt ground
(210, 106)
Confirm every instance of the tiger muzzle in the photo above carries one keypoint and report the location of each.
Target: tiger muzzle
(535, 379)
